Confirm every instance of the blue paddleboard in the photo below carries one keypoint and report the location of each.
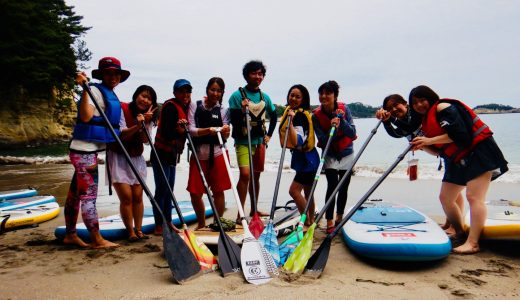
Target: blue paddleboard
(112, 227)
(388, 231)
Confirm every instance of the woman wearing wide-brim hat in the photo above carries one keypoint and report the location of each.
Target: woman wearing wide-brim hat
(90, 136)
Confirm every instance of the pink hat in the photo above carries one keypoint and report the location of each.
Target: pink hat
(109, 63)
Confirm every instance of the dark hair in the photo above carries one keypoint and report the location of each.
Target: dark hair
(220, 83)
(396, 98)
(330, 86)
(153, 95)
(252, 66)
(306, 98)
(423, 91)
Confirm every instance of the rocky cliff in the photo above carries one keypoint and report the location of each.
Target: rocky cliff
(32, 120)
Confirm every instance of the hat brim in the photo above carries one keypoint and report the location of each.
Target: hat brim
(98, 74)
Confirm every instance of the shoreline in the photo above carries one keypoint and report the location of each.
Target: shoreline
(34, 265)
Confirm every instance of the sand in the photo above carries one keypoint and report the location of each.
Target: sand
(33, 265)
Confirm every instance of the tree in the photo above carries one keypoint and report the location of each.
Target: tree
(36, 45)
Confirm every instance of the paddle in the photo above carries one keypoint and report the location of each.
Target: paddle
(303, 253)
(206, 259)
(256, 226)
(228, 250)
(183, 265)
(268, 238)
(257, 264)
(317, 262)
(289, 245)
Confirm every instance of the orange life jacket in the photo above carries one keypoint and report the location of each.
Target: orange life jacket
(342, 141)
(432, 128)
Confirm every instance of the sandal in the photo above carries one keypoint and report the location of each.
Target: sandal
(141, 235)
(330, 229)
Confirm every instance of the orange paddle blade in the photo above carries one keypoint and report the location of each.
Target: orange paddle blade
(208, 261)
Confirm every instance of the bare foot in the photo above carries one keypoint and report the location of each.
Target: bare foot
(467, 248)
(73, 239)
(104, 244)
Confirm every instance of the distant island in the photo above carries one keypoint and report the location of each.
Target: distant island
(360, 110)
(495, 109)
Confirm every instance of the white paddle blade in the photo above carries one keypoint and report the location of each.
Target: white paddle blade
(257, 263)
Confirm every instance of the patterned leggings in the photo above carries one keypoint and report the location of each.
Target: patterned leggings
(83, 190)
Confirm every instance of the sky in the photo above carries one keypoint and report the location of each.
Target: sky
(463, 49)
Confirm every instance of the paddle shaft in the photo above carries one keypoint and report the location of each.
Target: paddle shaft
(347, 173)
(234, 189)
(353, 210)
(126, 155)
(251, 168)
(206, 186)
(318, 171)
(280, 167)
(174, 200)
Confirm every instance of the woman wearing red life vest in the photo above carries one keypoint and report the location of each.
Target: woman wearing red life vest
(128, 189)
(471, 156)
(341, 152)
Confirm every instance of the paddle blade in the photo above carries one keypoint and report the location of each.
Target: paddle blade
(290, 243)
(269, 241)
(317, 262)
(208, 261)
(228, 255)
(183, 264)
(257, 264)
(297, 261)
(256, 226)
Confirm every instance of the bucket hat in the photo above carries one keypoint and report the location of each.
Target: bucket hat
(107, 63)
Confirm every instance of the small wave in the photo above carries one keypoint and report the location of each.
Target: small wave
(33, 160)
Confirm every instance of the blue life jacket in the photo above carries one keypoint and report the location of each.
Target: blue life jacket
(96, 129)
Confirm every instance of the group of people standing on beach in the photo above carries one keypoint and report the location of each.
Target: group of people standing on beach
(449, 128)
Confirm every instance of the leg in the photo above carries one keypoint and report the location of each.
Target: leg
(124, 192)
(71, 211)
(448, 198)
(342, 196)
(138, 209)
(332, 182)
(198, 206)
(242, 185)
(312, 207)
(476, 194)
(295, 191)
(219, 202)
(447, 226)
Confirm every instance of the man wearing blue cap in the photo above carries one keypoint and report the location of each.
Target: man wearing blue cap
(169, 143)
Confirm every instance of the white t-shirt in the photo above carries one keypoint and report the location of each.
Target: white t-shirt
(85, 146)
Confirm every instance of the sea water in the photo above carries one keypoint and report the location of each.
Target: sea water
(380, 153)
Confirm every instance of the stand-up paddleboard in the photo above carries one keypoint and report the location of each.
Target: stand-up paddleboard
(13, 194)
(388, 231)
(25, 202)
(502, 222)
(113, 228)
(28, 215)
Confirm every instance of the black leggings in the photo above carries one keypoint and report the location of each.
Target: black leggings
(333, 178)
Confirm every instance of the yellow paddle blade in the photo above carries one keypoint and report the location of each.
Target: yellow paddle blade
(297, 261)
(208, 261)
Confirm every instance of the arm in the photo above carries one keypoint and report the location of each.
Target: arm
(346, 124)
